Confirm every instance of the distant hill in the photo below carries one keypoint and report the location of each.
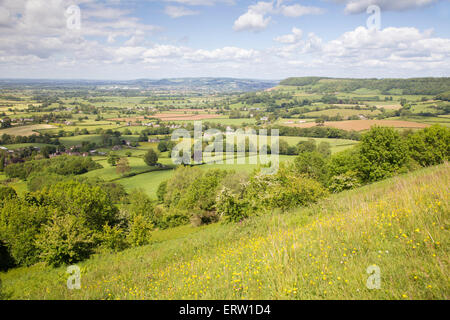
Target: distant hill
(202, 85)
(413, 86)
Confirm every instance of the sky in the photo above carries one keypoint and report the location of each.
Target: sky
(134, 39)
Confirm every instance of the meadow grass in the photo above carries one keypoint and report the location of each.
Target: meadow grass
(323, 251)
(148, 182)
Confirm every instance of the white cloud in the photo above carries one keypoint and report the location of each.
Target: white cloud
(223, 54)
(388, 50)
(34, 40)
(177, 12)
(291, 38)
(297, 10)
(256, 18)
(358, 6)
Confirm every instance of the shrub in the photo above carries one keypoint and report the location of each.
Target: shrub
(324, 148)
(177, 185)
(20, 223)
(306, 146)
(90, 203)
(174, 219)
(161, 192)
(65, 240)
(201, 193)
(141, 205)
(62, 165)
(7, 193)
(140, 231)
(113, 238)
(313, 165)
(383, 154)
(282, 190)
(230, 208)
(344, 161)
(430, 146)
(344, 181)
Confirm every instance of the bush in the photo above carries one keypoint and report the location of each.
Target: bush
(20, 223)
(430, 146)
(174, 219)
(344, 181)
(140, 231)
(177, 185)
(62, 165)
(65, 240)
(383, 154)
(306, 146)
(230, 208)
(161, 192)
(202, 192)
(282, 190)
(91, 203)
(313, 165)
(113, 238)
(344, 161)
(324, 148)
(141, 205)
(7, 193)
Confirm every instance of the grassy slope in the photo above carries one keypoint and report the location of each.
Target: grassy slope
(319, 252)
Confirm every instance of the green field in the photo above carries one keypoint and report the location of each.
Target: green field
(320, 252)
(148, 182)
(345, 113)
(25, 130)
(77, 140)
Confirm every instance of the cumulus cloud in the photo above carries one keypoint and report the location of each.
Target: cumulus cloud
(400, 49)
(294, 37)
(255, 18)
(258, 16)
(34, 36)
(39, 28)
(358, 6)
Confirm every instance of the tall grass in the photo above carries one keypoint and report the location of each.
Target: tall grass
(400, 225)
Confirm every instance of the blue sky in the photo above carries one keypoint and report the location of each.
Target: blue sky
(129, 39)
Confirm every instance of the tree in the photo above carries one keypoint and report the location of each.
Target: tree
(306, 146)
(430, 146)
(65, 240)
(151, 158)
(5, 123)
(122, 166)
(7, 193)
(162, 146)
(140, 231)
(313, 165)
(324, 148)
(383, 153)
(112, 159)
